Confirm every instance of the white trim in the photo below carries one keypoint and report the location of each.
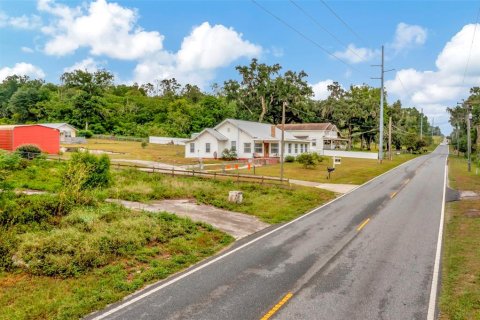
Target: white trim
(226, 254)
(436, 269)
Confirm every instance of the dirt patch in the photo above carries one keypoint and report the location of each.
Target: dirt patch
(472, 213)
(237, 224)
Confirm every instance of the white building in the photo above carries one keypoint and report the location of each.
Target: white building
(249, 140)
(321, 136)
(66, 131)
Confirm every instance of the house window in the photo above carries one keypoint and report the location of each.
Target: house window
(207, 147)
(233, 145)
(274, 148)
(67, 134)
(247, 147)
(296, 147)
(289, 148)
(314, 144)
(305, 147)
(258, 148)
(192, 147)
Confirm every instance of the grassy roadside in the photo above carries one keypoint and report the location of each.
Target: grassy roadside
(351, 171)
(460, 295)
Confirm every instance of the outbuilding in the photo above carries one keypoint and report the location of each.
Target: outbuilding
(67, 131)
(45, 138)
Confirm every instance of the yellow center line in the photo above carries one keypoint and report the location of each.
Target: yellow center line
(393, 194)
(277, 306)
(360, 227)
(406, 181)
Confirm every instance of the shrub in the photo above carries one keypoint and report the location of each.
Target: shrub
(309, 160)
(29, 151)
(289, 158)
(95, 170)
(9, 161)
(8, 244)
(144, 144)
(85, 133)
(229, 154)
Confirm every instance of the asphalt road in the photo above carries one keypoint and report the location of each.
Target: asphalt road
(367, 255)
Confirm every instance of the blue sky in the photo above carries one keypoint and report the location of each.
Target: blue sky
(427, 42)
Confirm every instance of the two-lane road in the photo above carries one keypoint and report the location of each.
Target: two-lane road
(367, 255)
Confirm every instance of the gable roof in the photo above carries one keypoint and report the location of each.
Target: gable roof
(257, 130)
(213, 132)
(325, 126)
(57, 125)
(13, 126)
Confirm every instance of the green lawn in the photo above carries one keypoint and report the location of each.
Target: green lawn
(460, 295)
(351, 171)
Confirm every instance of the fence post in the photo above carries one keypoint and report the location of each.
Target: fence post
(173, 171)
(238, 176)
(214, 175)
(262, 179)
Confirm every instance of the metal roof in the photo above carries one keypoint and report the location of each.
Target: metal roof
(57, 125)
(258, 130)
(311, 126)
(213, 132)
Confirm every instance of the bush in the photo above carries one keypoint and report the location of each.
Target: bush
(289, 158)
(229, 154)
(9, 161)
(96, 170)
(29, 151)
(8, 244)
(309, 160)
(85, 133)
(144, 144)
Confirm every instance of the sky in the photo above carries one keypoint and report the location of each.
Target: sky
(434, 46)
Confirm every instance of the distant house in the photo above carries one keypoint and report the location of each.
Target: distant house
(249, 139)
(322, 136)
(45, 138)
(66, 131)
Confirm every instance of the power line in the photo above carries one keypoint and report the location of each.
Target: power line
(343, 21)
(471, 46)
(325, 29)
(302, 35)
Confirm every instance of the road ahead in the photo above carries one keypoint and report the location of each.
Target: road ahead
(368, 255)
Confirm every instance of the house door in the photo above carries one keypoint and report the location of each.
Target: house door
(266, 150)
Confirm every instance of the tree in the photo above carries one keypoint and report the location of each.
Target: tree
(94, 84)
(256, 91)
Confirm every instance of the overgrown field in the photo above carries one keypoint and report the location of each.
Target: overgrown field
(67, 252)
(460, 296)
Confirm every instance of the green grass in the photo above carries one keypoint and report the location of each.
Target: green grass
(460, 295)
(95, 256)
(272, 204)
(351, 171)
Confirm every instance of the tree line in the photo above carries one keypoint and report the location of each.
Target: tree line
(92, 101)
(458, 120)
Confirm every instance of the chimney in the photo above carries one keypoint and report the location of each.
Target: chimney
(272, 131)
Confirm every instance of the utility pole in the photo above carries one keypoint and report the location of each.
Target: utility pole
(382, 94)
(433, 125)
(390, 138)
(458, 143)
(421, 125)
(282, 147)
(469, 143)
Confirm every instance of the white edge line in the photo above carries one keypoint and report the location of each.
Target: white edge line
(186, 274)
(436, 269)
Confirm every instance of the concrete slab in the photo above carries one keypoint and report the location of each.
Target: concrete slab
(236, 224)
(335, 187)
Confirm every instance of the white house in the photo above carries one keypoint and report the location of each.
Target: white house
(249, 139)
(66, 131)
(321, 136)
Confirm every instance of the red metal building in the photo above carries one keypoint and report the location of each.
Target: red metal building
(14, 136)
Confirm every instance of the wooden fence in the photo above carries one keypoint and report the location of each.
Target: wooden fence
(205, 174)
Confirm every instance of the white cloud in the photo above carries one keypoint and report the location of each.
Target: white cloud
(210, 47)
(22, 68)
(21, 22)
(204, 50)
(27, 49)
(407, 36)
(105, 28)
(433, 90)
(88, 64)
(352, 54)
(320, 89)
